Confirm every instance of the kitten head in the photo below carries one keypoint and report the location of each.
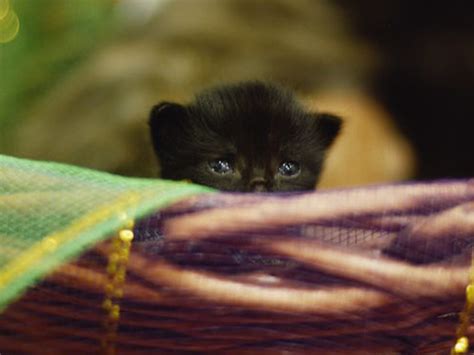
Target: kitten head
(245, 137)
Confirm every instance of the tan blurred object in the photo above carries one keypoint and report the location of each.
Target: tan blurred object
(97, 116)
(370, 148)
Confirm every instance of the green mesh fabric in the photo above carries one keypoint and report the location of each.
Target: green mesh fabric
(50, 212)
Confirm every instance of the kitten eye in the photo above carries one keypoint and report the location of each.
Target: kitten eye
(289, 168)
(221, 166)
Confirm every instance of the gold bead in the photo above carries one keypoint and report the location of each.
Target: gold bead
(123, 255)
(126, 235)
(109, 289)
(126, 222)
(129, 224)
(112, 268)
(115, 312)
(113, 257)
(116, 243)
(470, 293)
(119, 277)
(462, 345)
(107, 304)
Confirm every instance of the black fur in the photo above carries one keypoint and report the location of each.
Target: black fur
(255, 125)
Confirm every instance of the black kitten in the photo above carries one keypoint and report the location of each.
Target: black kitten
(251, 136)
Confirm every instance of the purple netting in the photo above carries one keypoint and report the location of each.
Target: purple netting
(358, 271)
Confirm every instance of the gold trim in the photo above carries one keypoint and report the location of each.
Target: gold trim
(51, 242)
(462, 341)
(116, 272)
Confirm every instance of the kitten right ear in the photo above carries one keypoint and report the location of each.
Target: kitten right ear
(164, 121)
(330, 126)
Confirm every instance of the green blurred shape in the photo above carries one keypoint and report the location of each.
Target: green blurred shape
(9, 25)
(55, 36)
(4, 8)
(51, 212)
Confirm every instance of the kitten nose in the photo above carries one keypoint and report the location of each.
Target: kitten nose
(258, 185)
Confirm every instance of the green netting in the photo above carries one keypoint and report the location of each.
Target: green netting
(49, 212)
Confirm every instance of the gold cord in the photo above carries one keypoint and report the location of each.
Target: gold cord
(116, 272)
(462, 342)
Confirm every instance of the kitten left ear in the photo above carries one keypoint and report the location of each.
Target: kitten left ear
(329, 126)
(165, 111)
(164, 119)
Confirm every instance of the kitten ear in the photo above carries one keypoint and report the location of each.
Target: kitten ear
(164, 120)
(165, 111)
(328, 125)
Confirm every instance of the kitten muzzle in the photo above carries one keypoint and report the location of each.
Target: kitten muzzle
(259, 185)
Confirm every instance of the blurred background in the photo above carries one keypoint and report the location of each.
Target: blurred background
(78, 78)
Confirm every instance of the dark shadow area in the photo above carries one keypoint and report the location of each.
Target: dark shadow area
(427, 77)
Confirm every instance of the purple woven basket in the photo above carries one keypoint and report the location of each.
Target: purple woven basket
(377, 270)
